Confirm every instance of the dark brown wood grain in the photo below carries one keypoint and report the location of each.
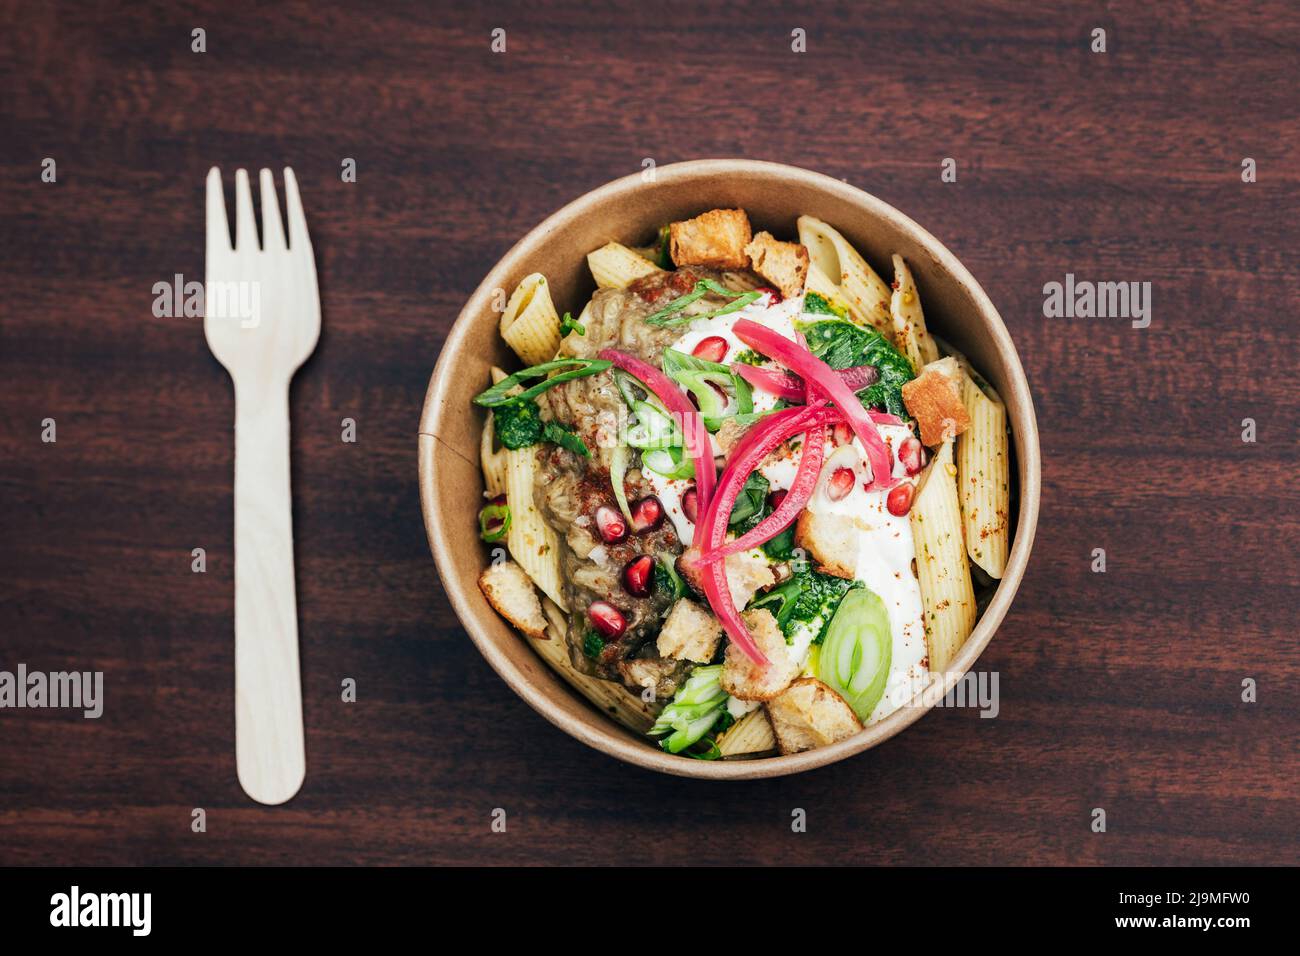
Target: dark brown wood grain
(1119, 690)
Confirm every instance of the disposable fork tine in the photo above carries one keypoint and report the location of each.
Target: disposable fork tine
(298, 238)
(272, 230)
(218, 228)
(245, 224)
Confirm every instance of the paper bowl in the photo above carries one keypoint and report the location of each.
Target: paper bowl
(629, 210)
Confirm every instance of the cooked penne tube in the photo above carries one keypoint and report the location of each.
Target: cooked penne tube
(752, 734)
(910, 334)
(614, 265)
(532, 542)
(855, 283)
(492, 458)
(606, 696)
(983, 475)
(530, 325)
(947, 596)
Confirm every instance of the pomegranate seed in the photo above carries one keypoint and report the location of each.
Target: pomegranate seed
(606, 618)
(691, 505)
(712, 349)
(840, 483)
(638, 576)
(899, 499)
(842, 433)
(647, 514)
(912, 454)
(610, 524)
(775, 498)
(776, 296)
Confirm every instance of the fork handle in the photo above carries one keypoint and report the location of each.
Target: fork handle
(269, 752)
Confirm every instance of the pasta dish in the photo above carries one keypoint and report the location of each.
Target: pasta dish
(743, 501)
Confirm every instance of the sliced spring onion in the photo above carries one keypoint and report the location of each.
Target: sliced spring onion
(669, 462)
(719, 392)
(566, 369)
(494, 521)
(617, 469)
(570, 324)
(668, 317)
(696, 707)
(654, 428)
(856, 655)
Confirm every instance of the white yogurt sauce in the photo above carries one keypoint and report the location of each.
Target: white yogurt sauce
(885, 553)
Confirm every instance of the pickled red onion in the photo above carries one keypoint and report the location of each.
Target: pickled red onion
(797, 495)
(791, 387)
(817, 373)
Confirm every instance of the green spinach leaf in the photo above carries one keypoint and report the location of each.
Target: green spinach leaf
(842, 344)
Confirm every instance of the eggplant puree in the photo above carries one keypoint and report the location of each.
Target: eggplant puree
(570, 488)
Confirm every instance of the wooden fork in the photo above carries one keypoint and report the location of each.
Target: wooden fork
(262, 321)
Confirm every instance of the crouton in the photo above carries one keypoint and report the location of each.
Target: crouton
(510, 592)
(831, 540)
(717, 239)
(746, 572)
(808, 714)
(744, 679)
(784, 264)
(934, 399)
(690, 634)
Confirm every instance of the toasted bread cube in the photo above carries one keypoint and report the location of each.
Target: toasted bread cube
(832, 540)
(934, 399)
(784, 264)
(716, 239)
(744, 679)
(808, 714)
(746, 572)
(510, 592)
(690, 633)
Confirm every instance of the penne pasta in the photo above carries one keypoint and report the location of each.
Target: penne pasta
(910, 334)
(491, 458)
(983, 478)
(947, 595)
(613, 266)
(530, 325)
(532, 542)
(606, 696)
(752, 734)
(851, 278)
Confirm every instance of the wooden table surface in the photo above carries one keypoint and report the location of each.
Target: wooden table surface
(1120, 691)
